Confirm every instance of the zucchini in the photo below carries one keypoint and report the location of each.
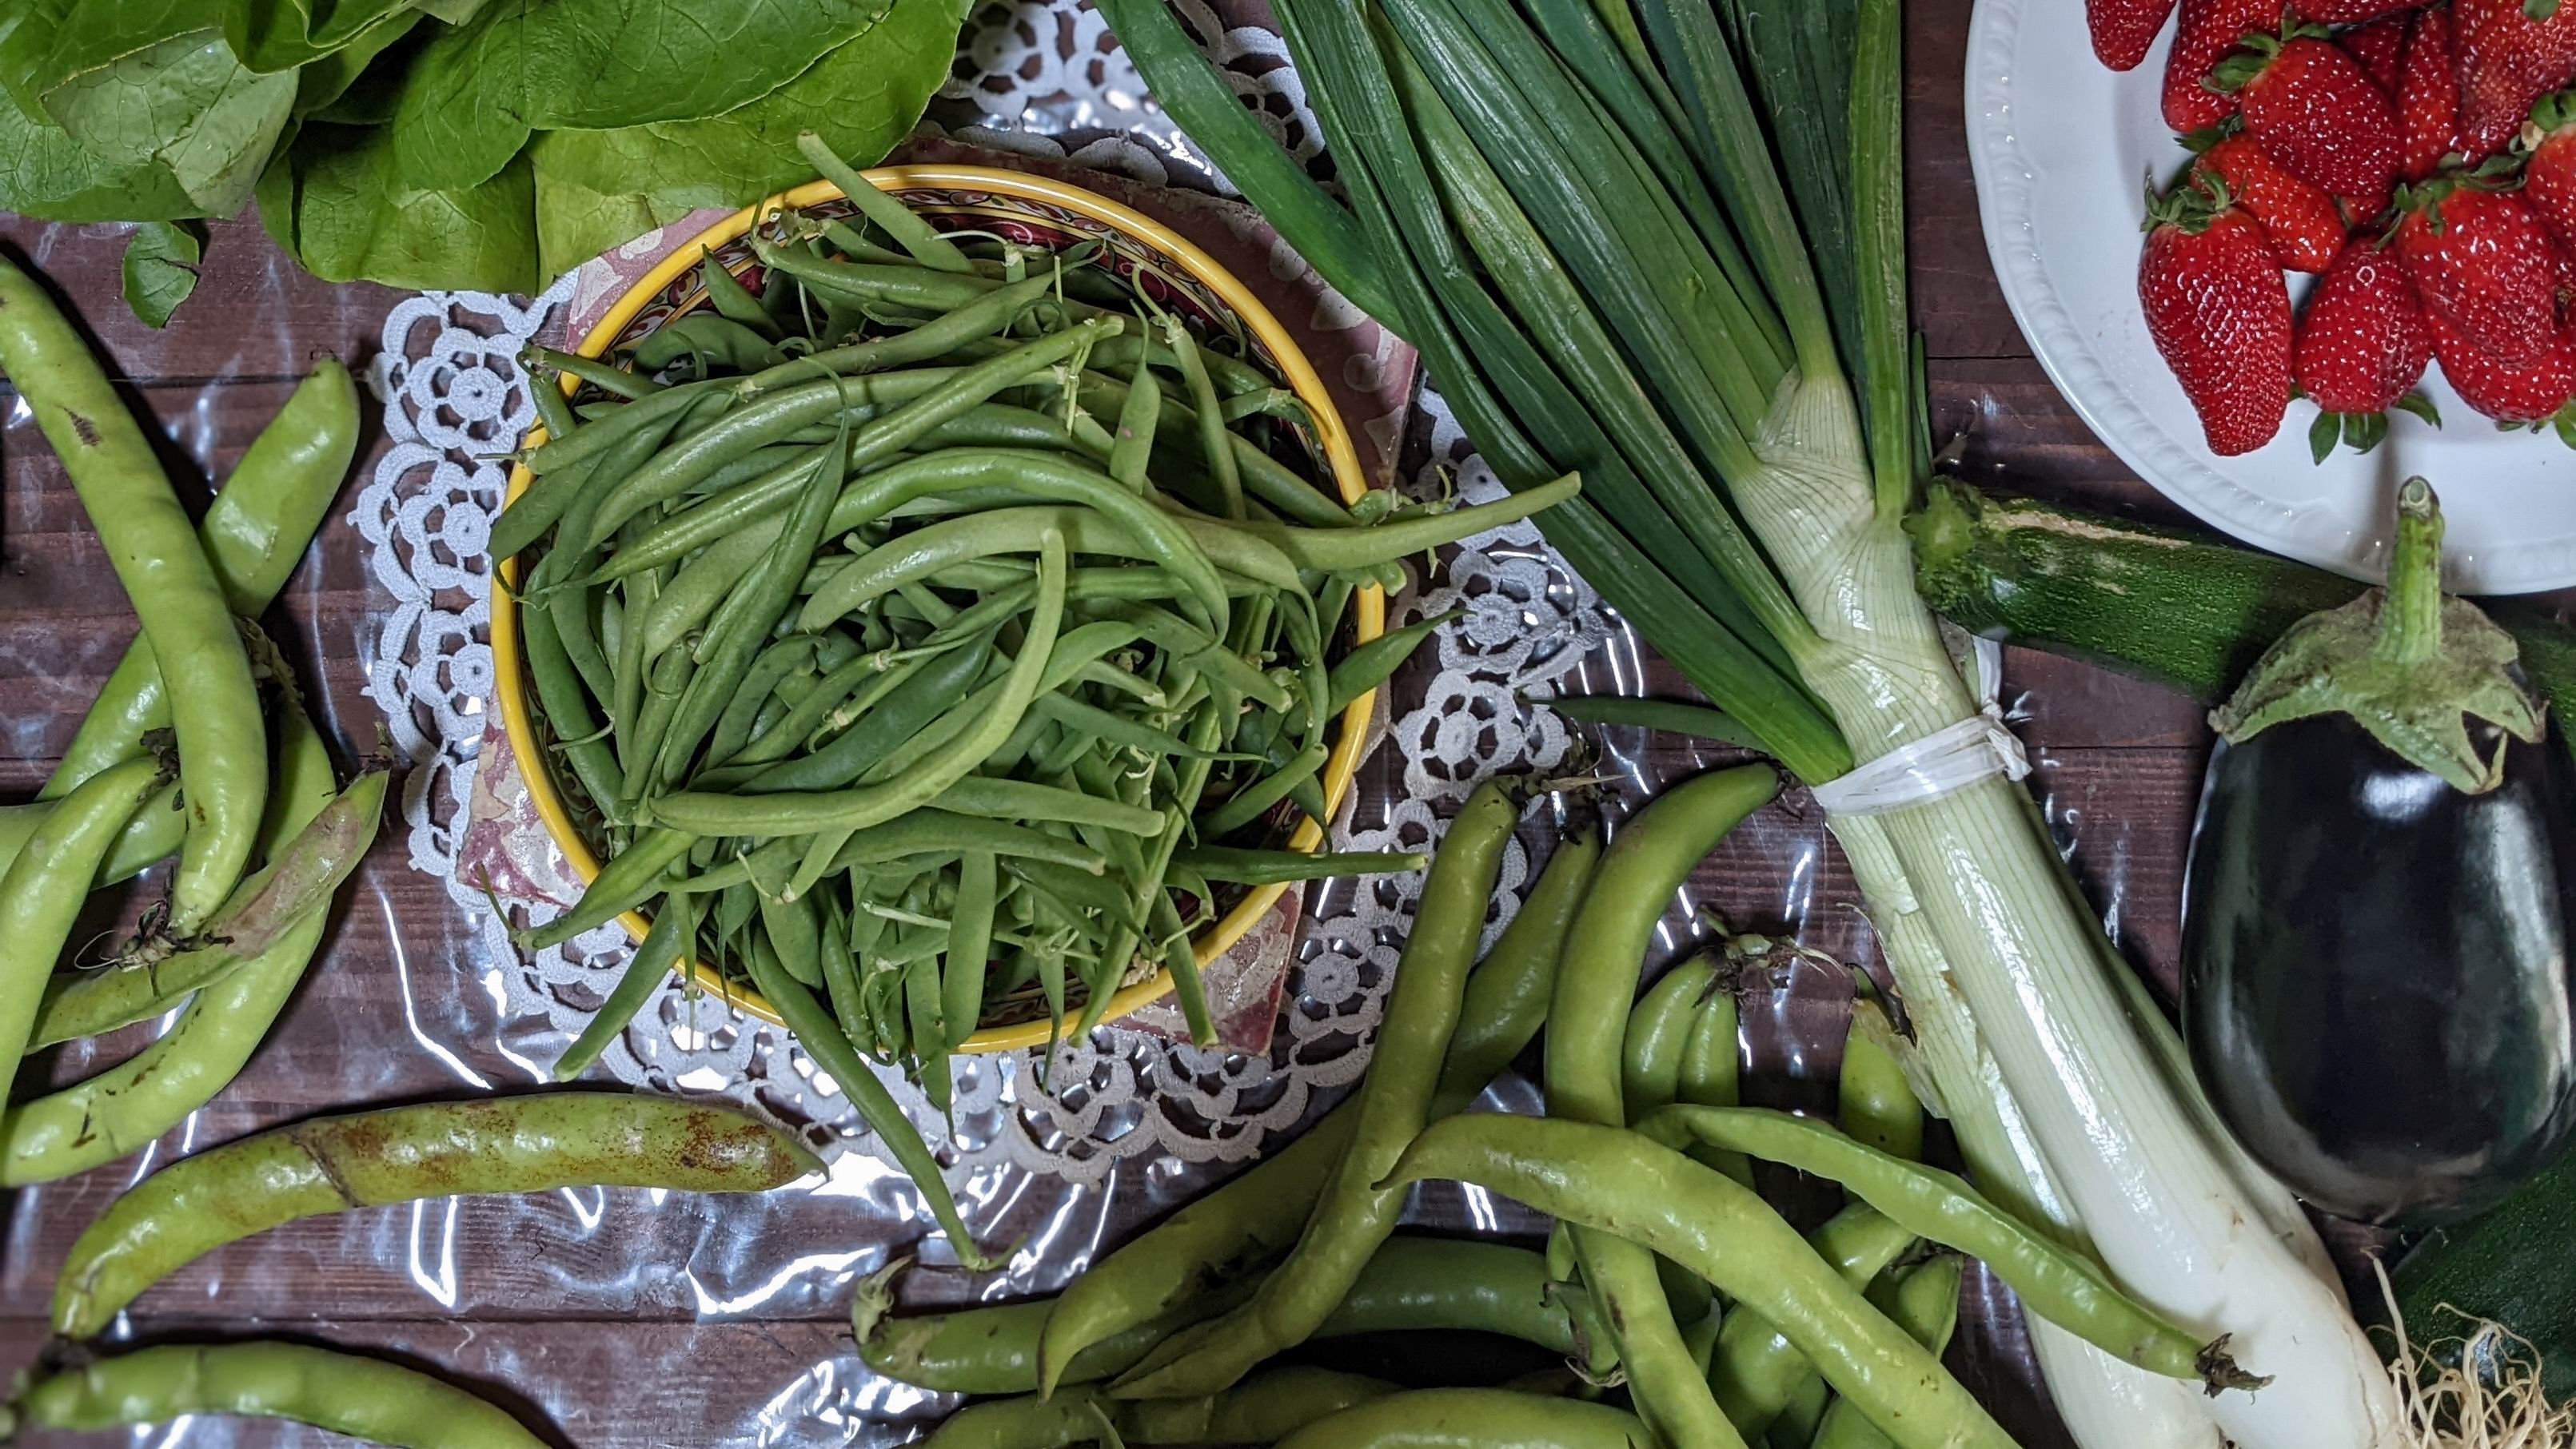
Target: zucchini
(2515, 1266)
(2186, 610)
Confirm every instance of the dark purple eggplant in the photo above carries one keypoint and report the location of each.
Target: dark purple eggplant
(2379, 991)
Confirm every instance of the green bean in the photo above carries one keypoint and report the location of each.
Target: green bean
(631, 877)
(770, 418)
(533, 1143)
(1023, 800)
(2054, 1282)
(1078, 892)
(567, 712)
(866, 805)
(701, 587)
(773, 664)
(1508, 996)
(44, 889)
(841, 989)
(1710, 1073)
(1249, 803)
(885, 213)
(553, 404)
(152, 545)
(796, 726)
(1340, 550)
(903, 711)
(1214, 440)
(1757, 1372)
(254, 532)
(1371, 664)
(732, 643)
(971, 321)
(262, 911)
(1287, 867)
(76, 1128)
(793, 931)
(1924, 1301)
(670, 685)
(589, 443)
(970, 945)
(1200, 650)
(1650, 1068)
(1264, 477)
(1806, 1408)
(1663, 1201)
(1137, 417)
(1117, 729)
(1049, 476)
(364, 1398)
(734, 300)
(815, 1030)
(614, 380)
(1421, 1418)
(1879, 1109)
(674, 929)
(1352, 1217)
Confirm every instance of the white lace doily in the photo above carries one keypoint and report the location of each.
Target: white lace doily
(454, 398)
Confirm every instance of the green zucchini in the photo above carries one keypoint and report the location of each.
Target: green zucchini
(2186, 610)
(2516, 1266)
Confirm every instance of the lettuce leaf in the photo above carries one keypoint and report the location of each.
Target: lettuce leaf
(479, 90)
(335, 200)
(184, 105)
(597, 188)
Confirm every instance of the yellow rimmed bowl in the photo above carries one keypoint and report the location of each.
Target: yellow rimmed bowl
(1032, 211)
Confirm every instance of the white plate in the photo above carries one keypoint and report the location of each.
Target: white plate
(2062, 148)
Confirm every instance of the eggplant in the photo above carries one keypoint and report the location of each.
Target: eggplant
(2378, 986)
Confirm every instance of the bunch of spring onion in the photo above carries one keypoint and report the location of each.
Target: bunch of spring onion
(1663, 242)
(925, 642)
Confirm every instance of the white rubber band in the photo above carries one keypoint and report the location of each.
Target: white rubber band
(1974, 749)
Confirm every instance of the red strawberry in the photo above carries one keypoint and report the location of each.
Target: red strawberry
(2428, 97)
(2549, 176)
(2219, 313)
(2310, 105)
(2379, 47)
(2207, 31)
(2351, 12)
(2124, 29)
(2361, 350)
(2305, 227)
(2504, 60)
(2483, 263)
(2529, 393)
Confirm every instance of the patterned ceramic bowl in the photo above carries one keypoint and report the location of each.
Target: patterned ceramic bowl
(1032, 211)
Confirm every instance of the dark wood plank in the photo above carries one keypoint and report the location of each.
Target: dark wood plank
(1956, 300)
(255, 314)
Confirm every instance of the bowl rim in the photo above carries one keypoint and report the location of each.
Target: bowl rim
(1340, 456)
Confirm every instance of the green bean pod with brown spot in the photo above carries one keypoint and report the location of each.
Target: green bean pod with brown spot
(364, 1398)
(152, 545)
(323, 1165)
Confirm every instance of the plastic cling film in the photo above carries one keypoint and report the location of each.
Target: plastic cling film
(1976, 748)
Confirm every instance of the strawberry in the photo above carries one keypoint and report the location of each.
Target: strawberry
(2219, 312)
(2311, 106)
(2428, 97)
(2531, 392)
(2124, 29)
(2361, 350)
(2305, 227)
(2549, 175)
(2207, 31)
(2483, 263)
(2379, 47)
(2504, 59)
(2351, 12)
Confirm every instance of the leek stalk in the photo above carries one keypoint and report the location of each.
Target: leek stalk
(1515, 199)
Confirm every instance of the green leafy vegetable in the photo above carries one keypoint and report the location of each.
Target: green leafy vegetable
(161, 268)
(186, 105)
(335, 201)
(478, 90)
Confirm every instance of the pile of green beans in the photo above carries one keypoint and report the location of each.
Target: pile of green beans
(937, 635)
(198, 745)
(1690, 1312)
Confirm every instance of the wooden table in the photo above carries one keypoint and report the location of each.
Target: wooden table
(2117, 770)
